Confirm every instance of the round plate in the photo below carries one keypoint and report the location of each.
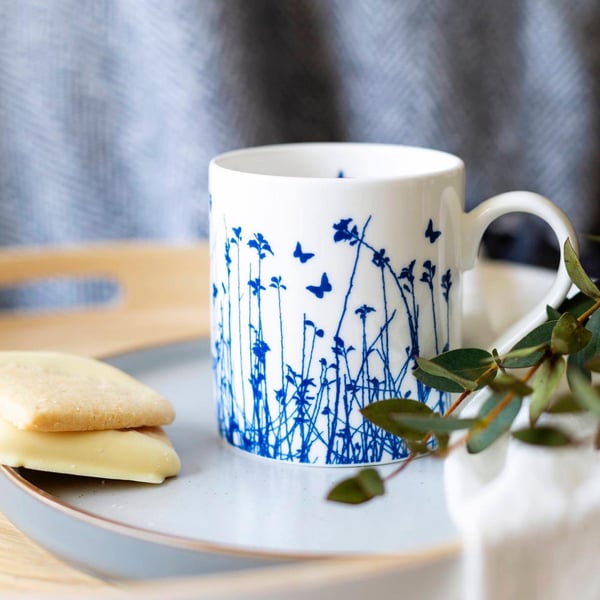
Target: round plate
(228, 510)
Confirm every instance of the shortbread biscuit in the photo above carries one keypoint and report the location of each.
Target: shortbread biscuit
(144, 454)
(52, 392)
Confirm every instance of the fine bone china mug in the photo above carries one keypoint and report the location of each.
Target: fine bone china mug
(333, 267)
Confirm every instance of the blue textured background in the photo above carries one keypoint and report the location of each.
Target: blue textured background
(110, 110)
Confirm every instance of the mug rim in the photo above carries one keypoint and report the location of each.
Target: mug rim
(228, 162)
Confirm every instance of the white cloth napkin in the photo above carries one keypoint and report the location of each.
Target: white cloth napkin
(529, 518)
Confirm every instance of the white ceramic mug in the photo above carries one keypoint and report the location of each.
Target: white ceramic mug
(333, 266)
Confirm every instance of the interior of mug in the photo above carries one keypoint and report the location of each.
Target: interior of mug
(339, 160)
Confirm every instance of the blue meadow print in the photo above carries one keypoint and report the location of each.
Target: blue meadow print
(292, 391)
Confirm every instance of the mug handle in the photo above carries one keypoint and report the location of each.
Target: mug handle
(477, 221)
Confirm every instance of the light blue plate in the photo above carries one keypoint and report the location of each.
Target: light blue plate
(227, 510)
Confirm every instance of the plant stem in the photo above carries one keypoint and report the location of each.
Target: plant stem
(403, 464)
(450, 410)
(467, 393)
(510, 395)
(589, 312)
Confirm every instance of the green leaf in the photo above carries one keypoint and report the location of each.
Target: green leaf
(545, 384)
(584, 392)
(588, 359)
(506, 382)
(433, 423)
(537, 340)
(552, 313)
(432, 369)
(521, 353)
(348, 491)
(593, 364)
(381, 413)
(371, 481)
(577, 273)
(565, 403)
(485, 437)
(577, 304)
(496, 357)
(569, 335)
(543, 436)
(364, 486)
(456, 370)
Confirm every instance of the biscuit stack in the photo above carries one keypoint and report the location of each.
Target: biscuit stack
(69, 414)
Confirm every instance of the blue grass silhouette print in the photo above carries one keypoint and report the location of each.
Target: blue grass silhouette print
(291, 381)
(301, 255)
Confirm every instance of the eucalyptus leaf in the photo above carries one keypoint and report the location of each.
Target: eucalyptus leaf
(381, 413)
(496, 357)
(433, 423)
(364, 486)
(348, 491)
(538, 340)
(521, 353)
(593, 324)
(584, 392)
(545, 384)
(481, 438)
(542, 436)
(577, 304)
(371, 481)
(565, 403)
(593, 364)
(507, 382)
(569, 335)
(430, 368)
(552, 313)
(456, 370)
(588, 359)
(577, 273)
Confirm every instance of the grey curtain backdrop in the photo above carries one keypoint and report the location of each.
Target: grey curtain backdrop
(111, 110)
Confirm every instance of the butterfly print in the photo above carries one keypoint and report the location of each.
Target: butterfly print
(319, 290)
(300, 255)
(431, 234)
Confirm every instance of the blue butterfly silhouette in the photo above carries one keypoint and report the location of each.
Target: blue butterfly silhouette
(430, 233)
(302, 256)
(319, 290)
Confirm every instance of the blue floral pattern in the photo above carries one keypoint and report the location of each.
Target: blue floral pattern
(302, 404)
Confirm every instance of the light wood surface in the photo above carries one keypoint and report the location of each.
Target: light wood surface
(163, 298)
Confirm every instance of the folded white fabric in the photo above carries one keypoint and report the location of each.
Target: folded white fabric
(529, 518)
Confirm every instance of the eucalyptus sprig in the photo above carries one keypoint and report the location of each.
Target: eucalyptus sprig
(567, 344)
